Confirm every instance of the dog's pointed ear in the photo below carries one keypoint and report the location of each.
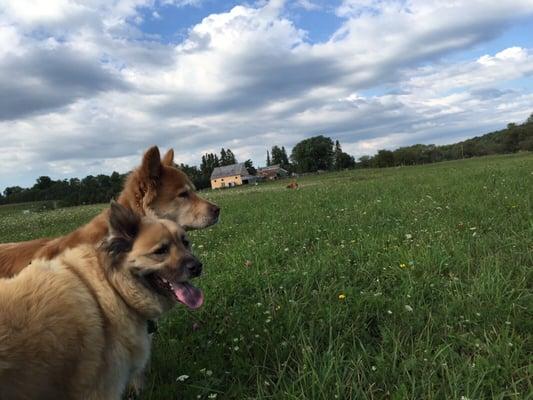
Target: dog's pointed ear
(151, 165)
(123, 222)
(124, 225)
(168, 159)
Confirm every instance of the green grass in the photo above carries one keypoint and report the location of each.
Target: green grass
(435, 263)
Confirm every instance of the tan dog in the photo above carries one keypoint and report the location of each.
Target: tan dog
(293, 185)
(75, 327)
(156, 187)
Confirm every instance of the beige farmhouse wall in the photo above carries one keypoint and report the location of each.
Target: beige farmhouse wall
(226, 181)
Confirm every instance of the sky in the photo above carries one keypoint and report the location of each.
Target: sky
(87, 86)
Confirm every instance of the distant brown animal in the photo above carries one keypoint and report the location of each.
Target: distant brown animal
(155, 188)
(75, 327)
(293, 185)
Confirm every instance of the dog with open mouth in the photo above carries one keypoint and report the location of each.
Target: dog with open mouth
(75, 327)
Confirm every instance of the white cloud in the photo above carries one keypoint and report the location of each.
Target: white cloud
(183, 3)
(308, 5)
(35, 12)
(506, 65)
(351, 8)
(247, 78)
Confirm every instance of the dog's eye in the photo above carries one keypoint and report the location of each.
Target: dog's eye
(185, 241)
(162, 250)
(184, 195)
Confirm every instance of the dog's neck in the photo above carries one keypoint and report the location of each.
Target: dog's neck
(134, 202)
(137, 305)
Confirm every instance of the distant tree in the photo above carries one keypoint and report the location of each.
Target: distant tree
(209, 162)
(248, 164)
(43, 183)
(279, 156)
(227, 157)
(284, 157)
(511, 142)
(364, 162)
(530, 119)
(406, 156)
(342, 160)
(384, 158)
(13, 190)
(116, 180)
(268, 162)
(276, 155)
(313, 154)
(337, 154)
(231, 159)
(527, 144)
(74, 196)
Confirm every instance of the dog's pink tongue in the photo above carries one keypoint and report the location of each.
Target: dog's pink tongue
(189, 295)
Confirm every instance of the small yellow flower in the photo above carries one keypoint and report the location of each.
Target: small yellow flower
(342, 296)
(402, 265)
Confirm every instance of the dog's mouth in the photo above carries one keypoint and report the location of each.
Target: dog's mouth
(184, 292)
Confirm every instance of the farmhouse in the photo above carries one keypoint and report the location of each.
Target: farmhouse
(272, 172)
(231, 175)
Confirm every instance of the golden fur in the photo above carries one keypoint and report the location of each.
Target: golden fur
(156, 187)
(76, 327)
(293, 185)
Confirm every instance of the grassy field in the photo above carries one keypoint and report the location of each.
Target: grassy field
(404, 283)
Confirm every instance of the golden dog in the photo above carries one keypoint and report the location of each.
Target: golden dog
(156, 187)
(75, 327)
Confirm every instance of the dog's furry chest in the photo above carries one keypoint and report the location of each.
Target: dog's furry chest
(127, 358)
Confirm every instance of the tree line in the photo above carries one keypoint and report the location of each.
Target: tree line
(67, 192)
(514, 138)
(318, 153)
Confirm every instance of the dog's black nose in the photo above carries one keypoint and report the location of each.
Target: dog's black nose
(215, 210)
(193, 266)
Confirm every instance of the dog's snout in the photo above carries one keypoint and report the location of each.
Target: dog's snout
(215, 210)
(193, 266)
